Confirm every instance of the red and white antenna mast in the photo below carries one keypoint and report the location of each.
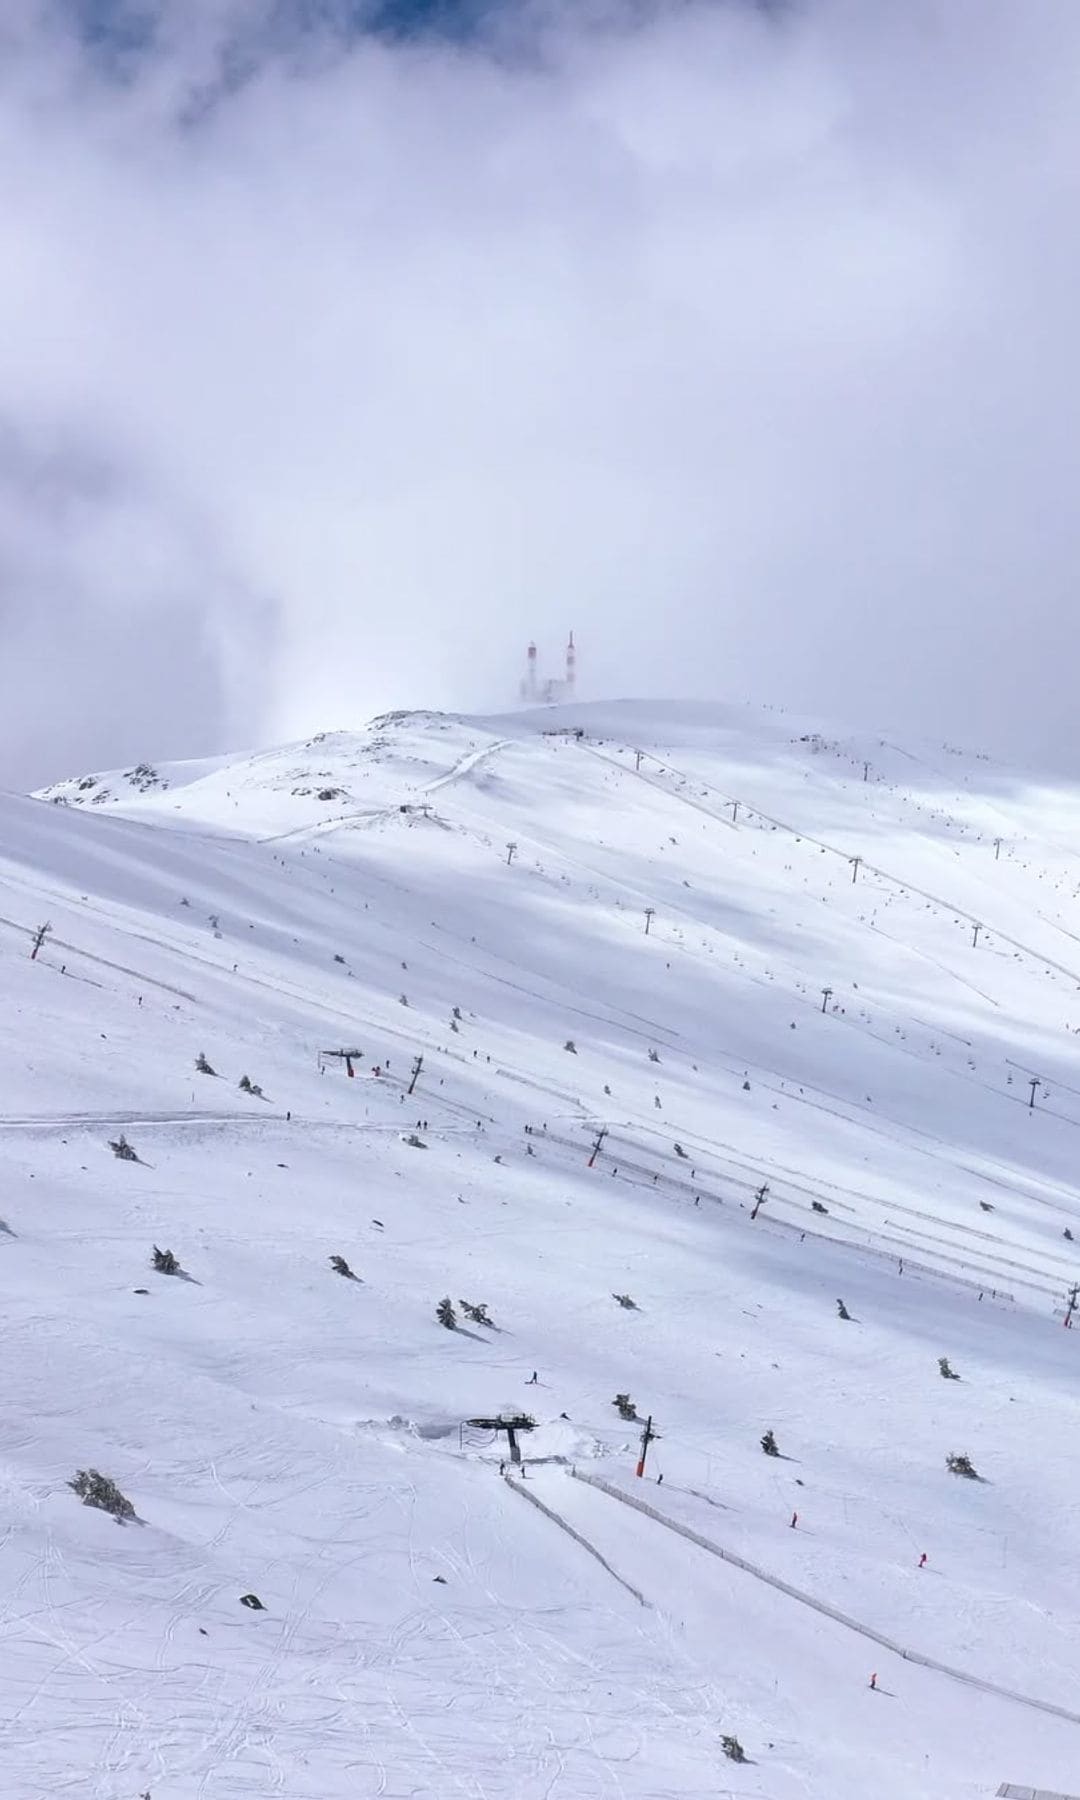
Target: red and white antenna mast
(571, 667)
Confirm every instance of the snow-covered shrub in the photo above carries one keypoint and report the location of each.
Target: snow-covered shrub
(445, 1313)
(626, 1407)
(962, 1465)
(121, 1148)
(476, 1311)
(95, 1489)
(165, 1262)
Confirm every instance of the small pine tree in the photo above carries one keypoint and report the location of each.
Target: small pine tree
(121, 1148)
(203, 1066)
(341, 1267)
(571, 1046)
(626, 1407)
(947, 1371)
(476, 1311)
(654, 1056)
(679, 1151)
(247, 1086)
(165, 1262)
(445, 1313)
(962, 1465)
(625, 1300)
(732, 1749)
(1067, 1233)
(457, 1012)
(842, 1310)
(818, 1206)
(769, 1445)
(95, 1489)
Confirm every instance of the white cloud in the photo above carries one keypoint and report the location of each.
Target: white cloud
(741, 340)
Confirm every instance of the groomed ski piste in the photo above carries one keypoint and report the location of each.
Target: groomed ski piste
(753, 954)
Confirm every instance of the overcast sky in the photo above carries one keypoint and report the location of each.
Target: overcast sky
(337, 361)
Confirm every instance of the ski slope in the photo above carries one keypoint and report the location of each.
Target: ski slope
(619, 919)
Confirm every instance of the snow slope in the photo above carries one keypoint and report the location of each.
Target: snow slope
(477, 892)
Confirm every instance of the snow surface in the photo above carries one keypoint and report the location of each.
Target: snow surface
(427, 1631)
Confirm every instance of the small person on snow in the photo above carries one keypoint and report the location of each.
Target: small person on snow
(794, 1520)
(922, 1560)
(873, 1681)
(533, 1379)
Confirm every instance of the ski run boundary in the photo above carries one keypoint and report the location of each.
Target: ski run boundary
(549, 1512)
(818, 1606)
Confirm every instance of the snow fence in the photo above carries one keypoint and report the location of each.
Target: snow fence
(821, 1606)
(549, 1512)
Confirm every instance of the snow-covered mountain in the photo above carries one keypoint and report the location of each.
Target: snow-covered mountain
(816, 999)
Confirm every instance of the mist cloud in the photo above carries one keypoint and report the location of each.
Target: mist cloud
(333, 366)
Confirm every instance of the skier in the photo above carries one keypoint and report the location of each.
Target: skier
(794, 1520)
(533, 1379)
(922, 1560)
(873, 1682)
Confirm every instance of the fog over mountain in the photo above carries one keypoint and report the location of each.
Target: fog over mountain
(338, 360)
